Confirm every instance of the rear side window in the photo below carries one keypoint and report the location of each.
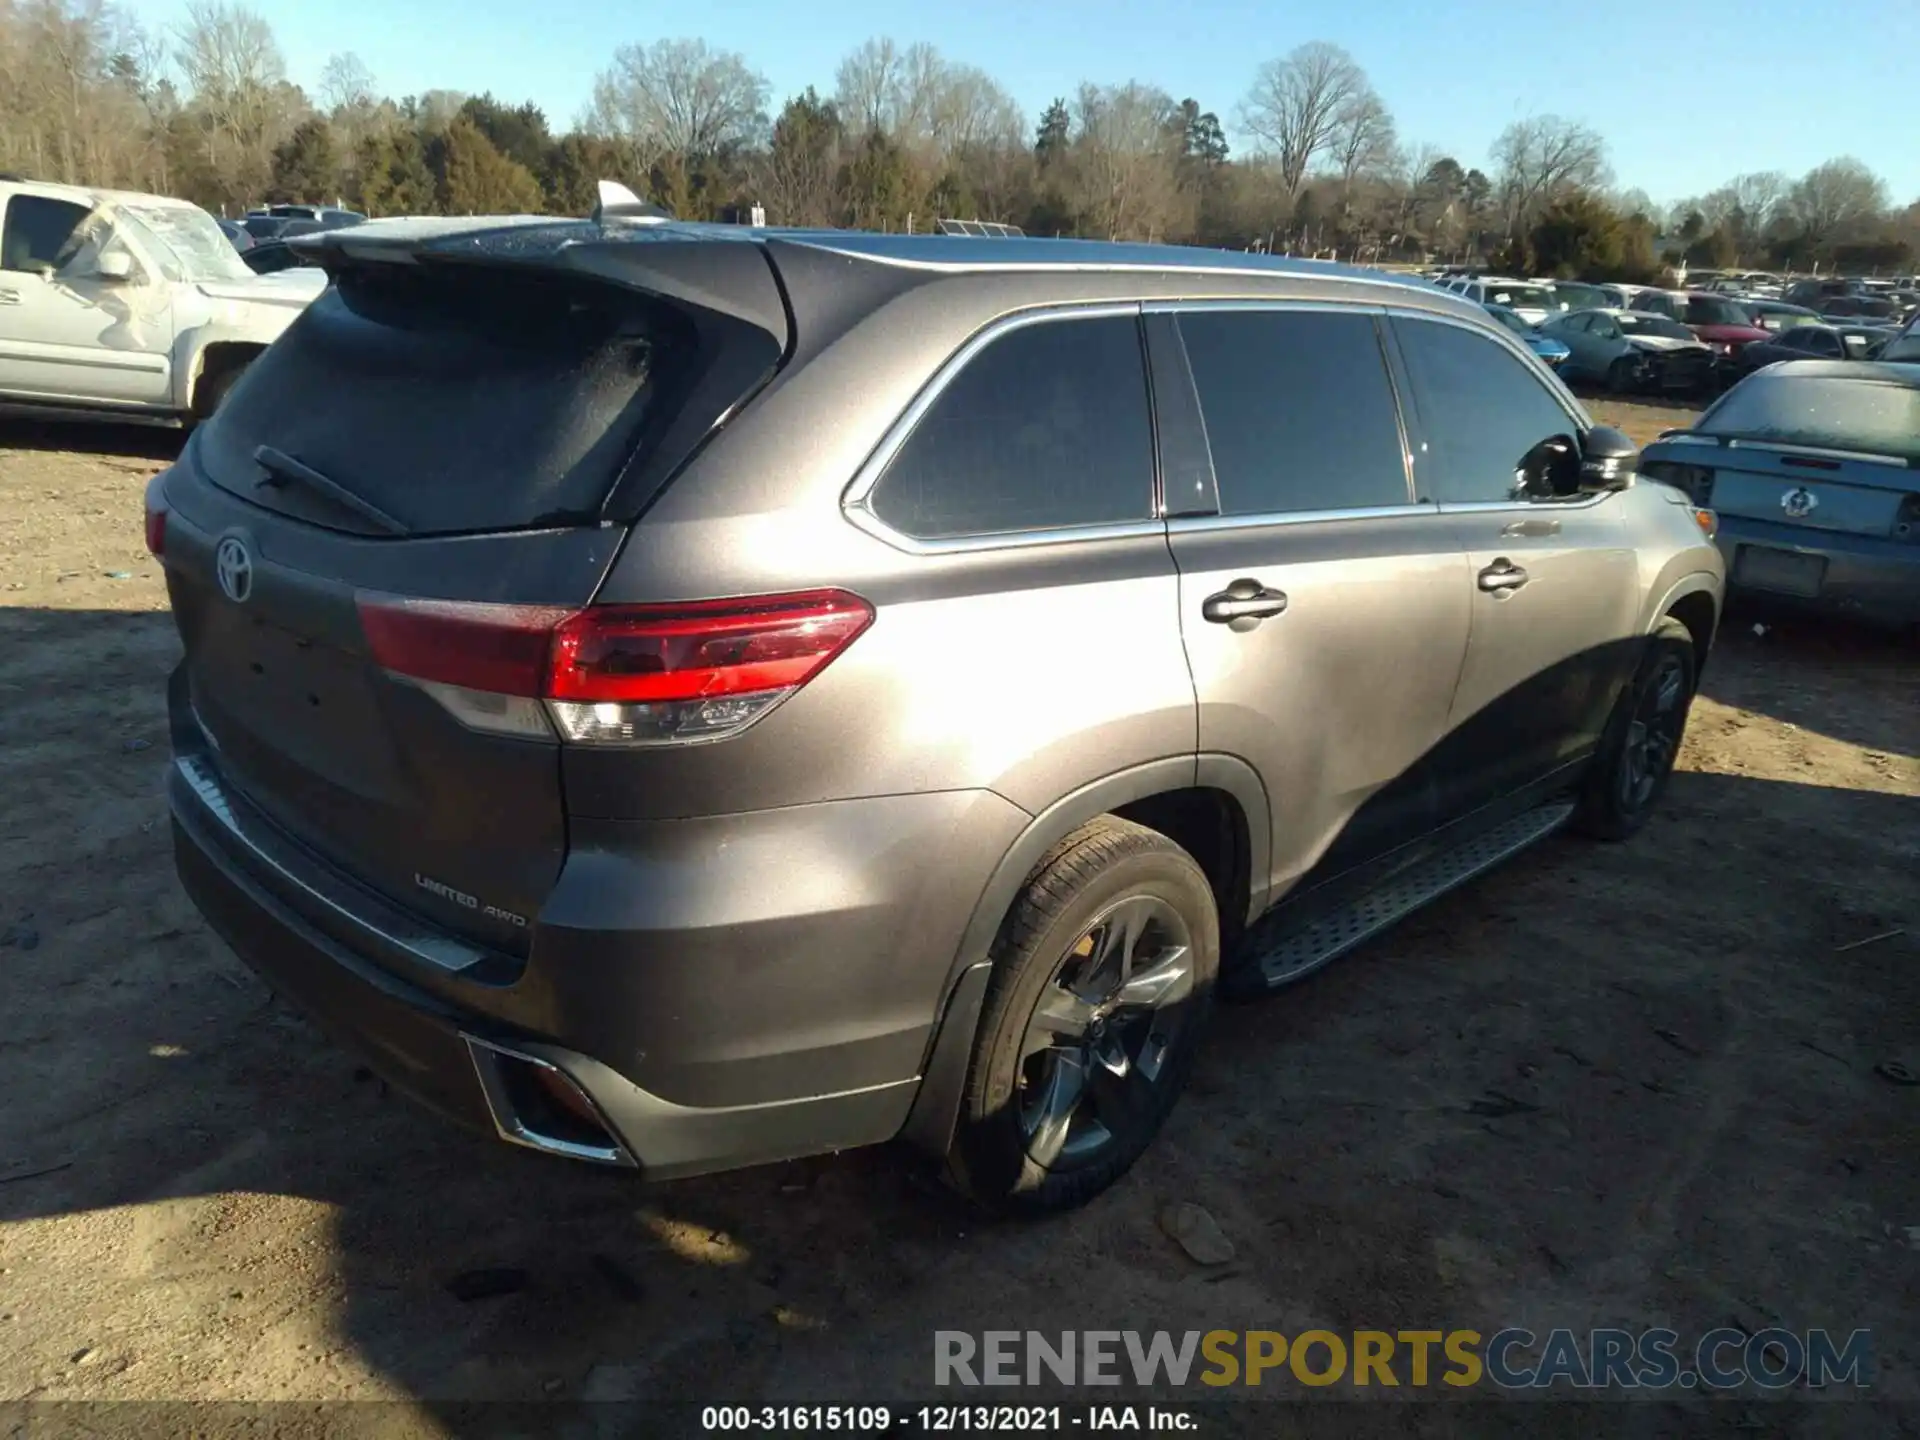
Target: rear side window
(1299, 411)
(1481, 410)
(1046, 428)
(455, 402)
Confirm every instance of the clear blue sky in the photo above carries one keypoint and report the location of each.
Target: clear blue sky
(1677, 89)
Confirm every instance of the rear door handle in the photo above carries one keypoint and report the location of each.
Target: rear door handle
(1243, 600)
(1502, 575)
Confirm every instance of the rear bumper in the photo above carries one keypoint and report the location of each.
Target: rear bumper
(1864, 577)
(710, 1019)
(425, 1048)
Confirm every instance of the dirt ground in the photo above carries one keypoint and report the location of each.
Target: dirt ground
(1606, 1085)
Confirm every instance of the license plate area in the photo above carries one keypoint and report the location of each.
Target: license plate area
(1785, 572)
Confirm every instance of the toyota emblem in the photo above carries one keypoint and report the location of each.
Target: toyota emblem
(233, 568)
(1799, 502)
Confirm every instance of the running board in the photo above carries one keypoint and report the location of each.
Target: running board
(1270, 964)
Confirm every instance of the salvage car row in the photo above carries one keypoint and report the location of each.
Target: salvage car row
(1643, 339)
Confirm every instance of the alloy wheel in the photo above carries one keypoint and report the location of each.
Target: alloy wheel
(1653, 735)
(1097, 1046)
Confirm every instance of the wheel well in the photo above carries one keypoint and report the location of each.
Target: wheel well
(222, 357)
(1210, 826)
(1696, 612)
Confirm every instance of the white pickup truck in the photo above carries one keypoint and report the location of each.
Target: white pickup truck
(128, 306)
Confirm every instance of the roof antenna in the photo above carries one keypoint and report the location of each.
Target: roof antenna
(616, 202)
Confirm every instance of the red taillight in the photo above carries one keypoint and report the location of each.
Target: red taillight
(156, 533)
(613, 674)
(498, 648)
(646, 654)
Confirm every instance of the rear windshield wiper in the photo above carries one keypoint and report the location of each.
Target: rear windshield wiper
(283, 469)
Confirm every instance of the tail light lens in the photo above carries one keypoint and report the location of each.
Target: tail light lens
(1695, 481)
(156, 531)
(613, 675)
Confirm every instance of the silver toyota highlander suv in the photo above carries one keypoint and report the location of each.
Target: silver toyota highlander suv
(682, 697)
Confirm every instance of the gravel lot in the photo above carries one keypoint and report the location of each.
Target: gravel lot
(1626, 1085)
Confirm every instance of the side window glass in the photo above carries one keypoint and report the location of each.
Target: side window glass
(38, 233)
(1299, 411)
(1482, 414)
(1045, 428)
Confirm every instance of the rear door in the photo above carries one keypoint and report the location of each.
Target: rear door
(1555, 583)
(411, 480)
(1325, 613)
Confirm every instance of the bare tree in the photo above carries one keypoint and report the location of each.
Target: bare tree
(1539, 159)
(1363, 139)
(233, 65)
(682, 98)
(1296, 104)
(866, 84)
(346, 83)
(1833, 197)
(1758, 196)
(1124, 162)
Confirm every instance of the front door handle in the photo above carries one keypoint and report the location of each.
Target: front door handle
(1533, 529)
(1243, 601)
(9, 297)
(1502, 575)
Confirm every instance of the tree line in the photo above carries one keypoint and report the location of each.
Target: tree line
(902, 136)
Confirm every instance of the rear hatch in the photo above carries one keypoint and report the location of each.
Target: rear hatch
(434, 466)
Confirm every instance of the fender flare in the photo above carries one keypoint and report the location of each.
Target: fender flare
(936, 1106)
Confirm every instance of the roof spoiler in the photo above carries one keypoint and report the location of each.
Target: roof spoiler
(616, 202)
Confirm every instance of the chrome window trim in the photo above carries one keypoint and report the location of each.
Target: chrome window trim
(1552, 385)
(1211, 523)
(856, 499)
(1562, 396)
(1551, 506)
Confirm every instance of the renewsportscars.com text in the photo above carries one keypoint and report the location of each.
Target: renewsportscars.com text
(1512, 1358)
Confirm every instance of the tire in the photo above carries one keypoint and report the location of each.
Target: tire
(1642, 739)
(1060, 1103)
(1621, 376)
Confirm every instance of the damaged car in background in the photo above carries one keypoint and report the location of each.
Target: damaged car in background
(126, 306)
(1630, 351)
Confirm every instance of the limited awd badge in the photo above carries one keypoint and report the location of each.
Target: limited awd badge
(233, 568)
(1799, 502)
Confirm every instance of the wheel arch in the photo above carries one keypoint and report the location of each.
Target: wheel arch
(1219, 797)
(214, 359)
(1695, 601)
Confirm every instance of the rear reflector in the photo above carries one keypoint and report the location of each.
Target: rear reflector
(617, 674)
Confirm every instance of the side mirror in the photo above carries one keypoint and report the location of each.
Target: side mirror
(1551, 468)
(1608, 460)
(115, 265)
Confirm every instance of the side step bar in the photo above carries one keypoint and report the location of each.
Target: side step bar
(1273, 960)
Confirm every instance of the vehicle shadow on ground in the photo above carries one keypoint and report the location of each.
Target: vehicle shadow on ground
(144, 442)
(1501, 1108)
